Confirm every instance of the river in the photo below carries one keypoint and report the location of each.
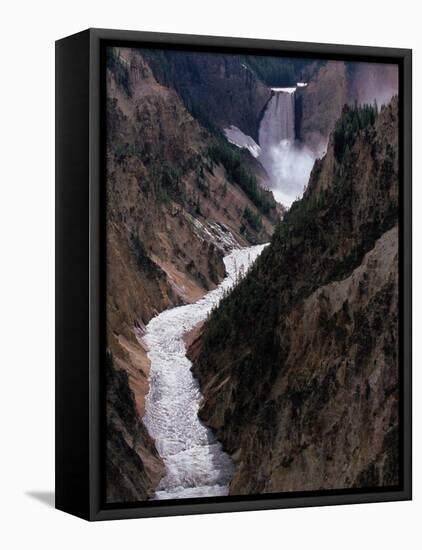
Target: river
(196, 465)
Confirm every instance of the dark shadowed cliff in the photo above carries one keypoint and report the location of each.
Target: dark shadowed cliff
(299, 364)
(219, 90)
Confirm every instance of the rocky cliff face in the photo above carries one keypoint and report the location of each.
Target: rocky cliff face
(333, 84)
(369, 82)
(319, 104)
(132, 462)
(177, 200)
(299, 364)
(219, 89)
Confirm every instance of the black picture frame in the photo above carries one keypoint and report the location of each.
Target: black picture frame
(80, 273)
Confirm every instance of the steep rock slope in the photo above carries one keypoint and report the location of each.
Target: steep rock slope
(371, 82)
(177, 200)
(219, 89)
(319, 104)
(299, 364)
(333, 84)
(132, 462)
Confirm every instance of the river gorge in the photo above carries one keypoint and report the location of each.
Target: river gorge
(196, 465)
(207, 156)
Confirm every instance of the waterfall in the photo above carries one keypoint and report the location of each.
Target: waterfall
(287, 163)
(278, 122)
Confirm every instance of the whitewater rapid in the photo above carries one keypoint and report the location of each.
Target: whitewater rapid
(196, 465)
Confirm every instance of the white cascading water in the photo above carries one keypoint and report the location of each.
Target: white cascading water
(287, 163)
(278, 122)
(196, 465)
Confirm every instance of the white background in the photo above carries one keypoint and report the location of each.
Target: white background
(27, 39)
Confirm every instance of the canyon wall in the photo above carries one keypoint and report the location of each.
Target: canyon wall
(319, 104)
(299, 364)
(335, 83)
(219, 89)
(178, 198)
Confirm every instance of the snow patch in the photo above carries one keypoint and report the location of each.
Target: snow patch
(241, 140)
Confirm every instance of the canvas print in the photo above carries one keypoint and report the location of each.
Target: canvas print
(252, 275)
